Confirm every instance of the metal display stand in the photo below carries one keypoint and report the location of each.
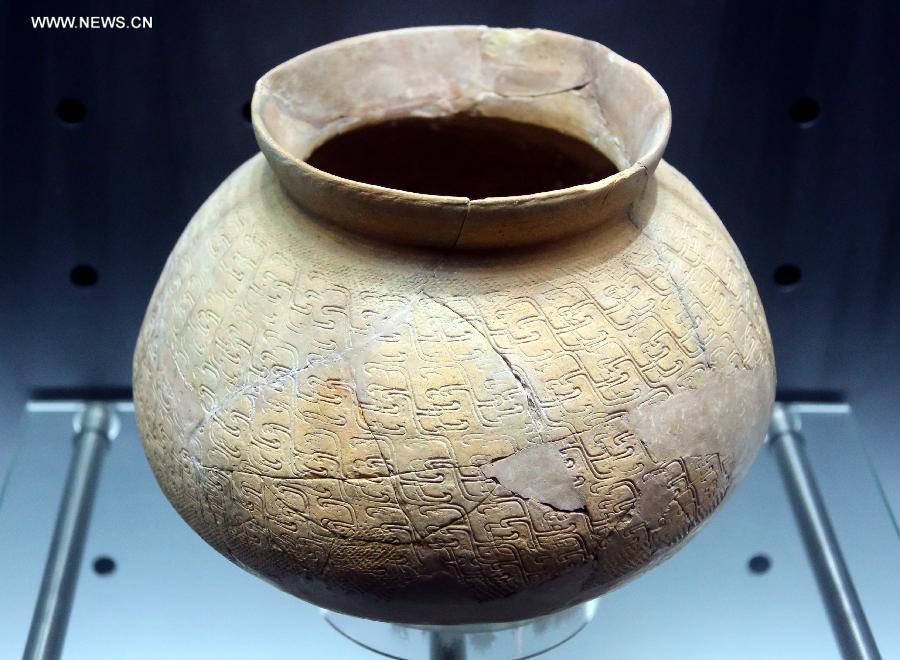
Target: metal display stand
(838, 593)
(497, 641)
(96, 424)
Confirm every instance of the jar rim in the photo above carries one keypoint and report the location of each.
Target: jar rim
(537, 76)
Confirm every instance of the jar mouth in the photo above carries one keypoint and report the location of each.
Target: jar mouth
(570, 85)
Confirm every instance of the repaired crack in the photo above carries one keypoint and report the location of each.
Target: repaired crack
(388, 323)
(535, 95)
(532, 405)
(680, 292)
(538, 472)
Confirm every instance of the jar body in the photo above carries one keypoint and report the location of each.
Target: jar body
(440, 437)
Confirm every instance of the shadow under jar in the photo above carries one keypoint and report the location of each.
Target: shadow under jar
(458, 346)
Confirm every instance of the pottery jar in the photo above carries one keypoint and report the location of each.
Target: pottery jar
(492, 396)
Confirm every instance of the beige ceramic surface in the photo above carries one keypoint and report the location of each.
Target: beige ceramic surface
(442, 410)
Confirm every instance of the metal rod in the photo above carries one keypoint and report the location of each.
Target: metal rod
(446, 645)
(844, 609)
(94, 428)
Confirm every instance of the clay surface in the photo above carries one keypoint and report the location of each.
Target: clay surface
(434, 409)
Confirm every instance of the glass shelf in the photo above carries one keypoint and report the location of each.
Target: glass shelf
(171, 596)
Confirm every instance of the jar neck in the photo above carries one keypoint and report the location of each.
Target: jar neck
(548, 79)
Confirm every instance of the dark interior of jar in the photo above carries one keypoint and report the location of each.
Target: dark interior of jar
(462, 156)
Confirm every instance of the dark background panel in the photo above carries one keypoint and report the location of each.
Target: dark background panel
(785, 117)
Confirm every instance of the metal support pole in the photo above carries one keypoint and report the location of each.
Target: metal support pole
(94, 427)
(446, 645)
(844, 609)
